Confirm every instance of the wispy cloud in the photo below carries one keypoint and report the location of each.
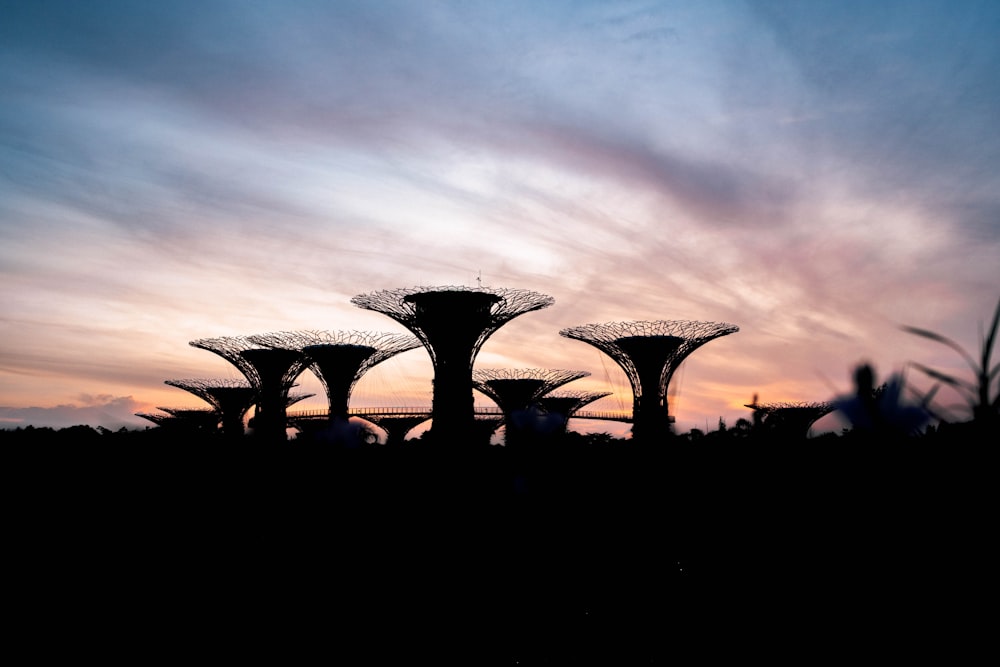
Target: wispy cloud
(176, 171)
(106, 411)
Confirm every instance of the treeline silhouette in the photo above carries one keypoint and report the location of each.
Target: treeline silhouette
(568, 549)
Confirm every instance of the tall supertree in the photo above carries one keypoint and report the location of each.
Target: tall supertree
(231, 399)
(566, 403)
(788, 420)
(649, 352)
(339, 358)
(453, 322)
(517, 390)
(272, 372)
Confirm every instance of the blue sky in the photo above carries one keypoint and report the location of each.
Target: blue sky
(817, 173)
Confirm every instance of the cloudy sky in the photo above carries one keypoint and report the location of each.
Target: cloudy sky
(817, 173)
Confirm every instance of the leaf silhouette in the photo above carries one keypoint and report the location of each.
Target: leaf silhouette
(978, 392)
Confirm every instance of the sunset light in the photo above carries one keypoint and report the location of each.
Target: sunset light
(717, 162)
(500, 332)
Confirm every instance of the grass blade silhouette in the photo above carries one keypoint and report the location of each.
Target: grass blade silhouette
(984, 408)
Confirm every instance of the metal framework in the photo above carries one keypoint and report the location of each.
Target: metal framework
(272, 372)
(790, 420)
(649, 352)
(517, 390)
(520, 388)
(231, 399)
(187, 419)
(453, 322)
(295, 397)
(339, 358)
(157, 418)
(396, 426)
(568, 402)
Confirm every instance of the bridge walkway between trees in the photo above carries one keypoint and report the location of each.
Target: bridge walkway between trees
(425, 411)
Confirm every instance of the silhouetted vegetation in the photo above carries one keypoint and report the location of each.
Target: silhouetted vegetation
(573, 547)
(983, 401)
(560, 548)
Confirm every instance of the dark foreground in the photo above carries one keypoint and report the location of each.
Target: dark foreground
(601, 554)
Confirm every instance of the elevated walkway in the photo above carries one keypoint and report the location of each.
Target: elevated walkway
(425, 411)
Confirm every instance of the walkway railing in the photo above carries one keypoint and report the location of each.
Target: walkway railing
(485, 411)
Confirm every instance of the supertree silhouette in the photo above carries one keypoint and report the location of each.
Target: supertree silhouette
(231, 399)
(295, 397)
(157, 418)
(517, 390)
(788, 420)
(452, 322)
(396, 426)
(649, 352)
(339, 358)
(189, 420)
(271, 372)
(566, 403)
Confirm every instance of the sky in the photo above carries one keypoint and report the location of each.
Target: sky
(817, 173)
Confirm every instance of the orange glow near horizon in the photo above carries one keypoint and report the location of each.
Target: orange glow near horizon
(632, 165)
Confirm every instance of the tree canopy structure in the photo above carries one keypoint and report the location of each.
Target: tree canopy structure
(184, 419)
(789, 420)
(453, 322)
(231, 399)
(339, 358)
(517, 390)
(396, 426)
(272, 372)
(566, 403)
(295, 397)
(649, 352)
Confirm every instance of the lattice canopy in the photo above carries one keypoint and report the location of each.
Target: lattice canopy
(271, 371)
(644, 348)
(294, 398)
(339, 358)
(219, 393)
(821, 407)
(184, 418)
(157, 418)
(649, 352)
(453, 315)
(231, 399)
(568, 402)
(384, 342)
(453, 323)
(791, 419)
(517, 388)
(259, 364)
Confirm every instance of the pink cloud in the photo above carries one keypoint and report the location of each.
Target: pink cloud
(101, 410)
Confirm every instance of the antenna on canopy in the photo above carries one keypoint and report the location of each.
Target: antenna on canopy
(479, 278)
